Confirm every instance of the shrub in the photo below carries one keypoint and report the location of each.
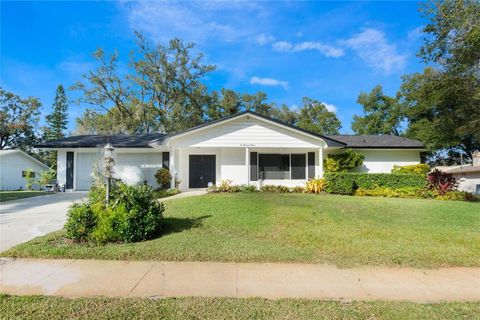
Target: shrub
(315, 185)
(441, 181)
(340, 182)
(29, 176)
(456, 195)
(421, 169)
(274, 188)
(342, 162)
(133, 214)
(248, 188)
(298, 189)
(46, 177)
(392, 193)
(163, 177)
(80, 222)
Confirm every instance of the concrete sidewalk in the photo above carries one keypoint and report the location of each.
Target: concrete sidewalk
(74, 278)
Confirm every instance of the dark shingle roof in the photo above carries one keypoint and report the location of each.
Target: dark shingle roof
(97, 140)
(378, 141)
(144, 140)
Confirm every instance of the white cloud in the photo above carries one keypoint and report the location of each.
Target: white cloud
(269, 82)
(372, 47)
(330, 107)
(325, 49)
(263, 39)
(415, 34)
(193, 20)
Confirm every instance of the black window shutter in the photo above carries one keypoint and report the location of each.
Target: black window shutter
(166, 160)
(298, 164)
(311, 165)
(253, 166)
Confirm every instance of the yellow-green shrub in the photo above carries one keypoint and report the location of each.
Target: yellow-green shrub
(315, 185)
(421, 169)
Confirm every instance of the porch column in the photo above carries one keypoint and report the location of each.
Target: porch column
(247, 163)
(172, 169)
(320, 163)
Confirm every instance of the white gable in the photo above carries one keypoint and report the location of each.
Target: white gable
(247, 131)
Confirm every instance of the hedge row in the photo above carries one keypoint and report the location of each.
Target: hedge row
(347, 182)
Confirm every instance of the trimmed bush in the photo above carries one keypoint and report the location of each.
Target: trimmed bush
(413, 193)
(342, 162)
(163, 177)
(133, 214)
(421, 169)
(80, 222)
(347, 182)
(339, 183)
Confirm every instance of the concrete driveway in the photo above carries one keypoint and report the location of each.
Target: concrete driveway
(24, 219)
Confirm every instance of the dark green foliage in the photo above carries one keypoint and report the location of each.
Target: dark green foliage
(18, 119)
(382, 114)
(315, 117)
(80, 222)
(342, 162)
(163, 177)
(340, 183)
(347, 182)
(133, 214)
(57, 122)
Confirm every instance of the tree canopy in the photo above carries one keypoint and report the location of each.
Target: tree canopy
(18, 120)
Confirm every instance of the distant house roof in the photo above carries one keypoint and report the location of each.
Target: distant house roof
(460, 169)
(378, 141)
(99, 141)
(4, 153)
(145, 140)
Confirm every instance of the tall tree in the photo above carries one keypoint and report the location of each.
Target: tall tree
(57, 122)
(18, 119)
(315, 117)
(162, 83)
(442, 104)
(285, 114)
(382, 114)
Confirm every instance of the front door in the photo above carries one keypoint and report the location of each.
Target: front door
(69, 182)
(202, 170)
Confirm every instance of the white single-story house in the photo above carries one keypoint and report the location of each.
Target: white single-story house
(246, 148)
(13, 164)
(468, 175)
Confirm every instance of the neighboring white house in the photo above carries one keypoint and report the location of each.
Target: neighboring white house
(468, 175)
(246, 148)
(13, 164)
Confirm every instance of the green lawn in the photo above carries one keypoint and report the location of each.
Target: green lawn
(51, 308)
(266, 227)
(13, 195)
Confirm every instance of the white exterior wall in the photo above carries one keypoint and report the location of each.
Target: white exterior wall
(245, 132)
(11, 167)
(382, 161)
(149, 161)
(468, 181)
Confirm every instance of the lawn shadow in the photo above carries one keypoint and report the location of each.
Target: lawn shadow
(175, 225)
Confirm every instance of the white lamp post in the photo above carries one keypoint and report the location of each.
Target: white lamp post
(108, 165)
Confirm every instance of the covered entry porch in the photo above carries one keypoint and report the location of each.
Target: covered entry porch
(198, 167)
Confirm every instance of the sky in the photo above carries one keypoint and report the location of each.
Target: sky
(328, 51)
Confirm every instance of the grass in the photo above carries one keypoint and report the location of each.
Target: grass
(51, 308)
(265, 227)
(14, 195)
